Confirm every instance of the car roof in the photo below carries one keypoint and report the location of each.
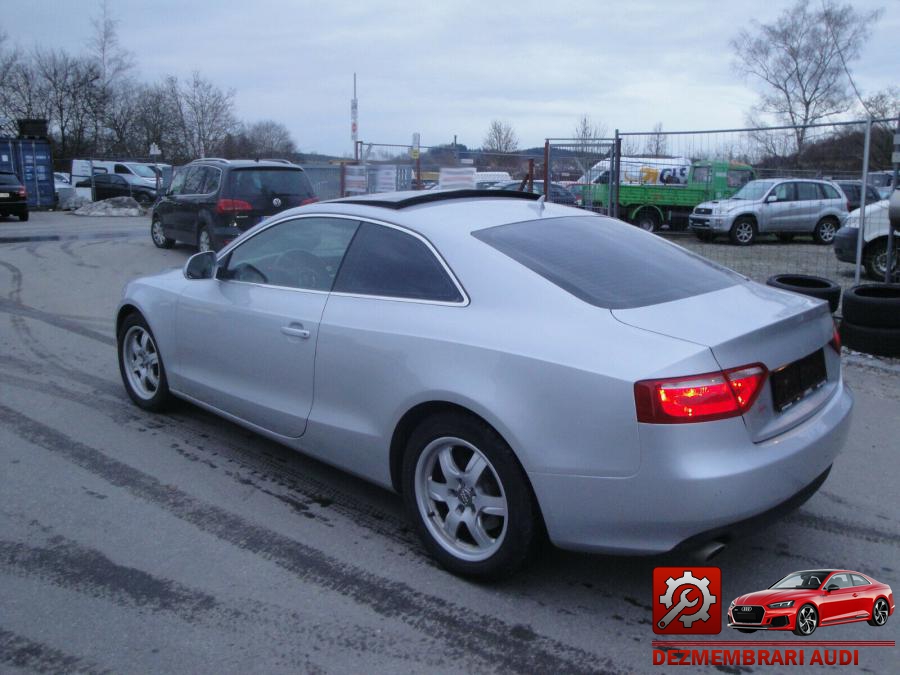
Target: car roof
(247, 163)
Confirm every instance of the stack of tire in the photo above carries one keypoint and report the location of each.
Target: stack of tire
(815, 287)
(871, 319)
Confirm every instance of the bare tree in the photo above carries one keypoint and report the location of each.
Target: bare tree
(269, 138)
(203, 113)
(656, 142)
(500, 137)
(586, 130)
(113, 64)
(799, 61)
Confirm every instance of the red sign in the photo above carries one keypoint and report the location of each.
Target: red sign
(687, 600)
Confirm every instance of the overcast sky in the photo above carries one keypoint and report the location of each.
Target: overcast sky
(449, 67)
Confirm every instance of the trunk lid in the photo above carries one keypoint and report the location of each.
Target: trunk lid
(750, 323)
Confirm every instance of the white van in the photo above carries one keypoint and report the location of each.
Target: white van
(138, 173)
(486, 179)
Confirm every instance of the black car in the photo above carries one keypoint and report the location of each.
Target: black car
(13, 196)
(211, 201)
(107, 185)
(853, 190)
(559, 194)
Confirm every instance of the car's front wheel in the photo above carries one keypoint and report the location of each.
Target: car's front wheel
(807, 621)
(141, 365)
(880, 612)
(468, 497)
(158, 235)
(743, 232)
(825, 231)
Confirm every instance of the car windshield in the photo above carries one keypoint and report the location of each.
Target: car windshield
(143, 171)
(8, 179)
(811, 579)
(754, 190)
(607, 263)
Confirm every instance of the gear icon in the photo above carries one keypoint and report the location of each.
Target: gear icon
(688, 579)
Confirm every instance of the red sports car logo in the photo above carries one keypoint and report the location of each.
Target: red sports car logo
(803, 601)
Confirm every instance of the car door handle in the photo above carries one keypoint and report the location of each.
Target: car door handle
(295, 330)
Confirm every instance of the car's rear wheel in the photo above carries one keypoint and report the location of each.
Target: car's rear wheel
(23, 216)
(647, 220)
(468, 497)
(807, 621)
(825, 231)
(157, 234)
(880, 612)
(141, 365)
(743, 232)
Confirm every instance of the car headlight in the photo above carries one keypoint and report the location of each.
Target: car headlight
(731, 605)
(780, 605)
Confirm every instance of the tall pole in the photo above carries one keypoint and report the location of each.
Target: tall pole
(354, 118)
(862, 202)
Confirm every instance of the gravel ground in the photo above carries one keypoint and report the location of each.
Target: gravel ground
(135, 543)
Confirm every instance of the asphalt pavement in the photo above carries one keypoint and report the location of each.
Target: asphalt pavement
(135, 543)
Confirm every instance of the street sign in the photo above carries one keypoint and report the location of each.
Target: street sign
(354, 118)
(386, 178)
(154, 150)
(414, 150)
(457, 179)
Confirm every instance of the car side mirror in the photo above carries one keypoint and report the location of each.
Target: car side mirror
(832, 587)
(201, 265)
(771, 198)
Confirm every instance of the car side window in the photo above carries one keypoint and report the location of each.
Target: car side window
(121, 168)
(830, 192)
(387, 262)
(101, 179)
(193, 183)
(178, 182)
(117, 180)
(808, 192)
(842, 580)
(303, 253)
(211, 181)
(784, 192)
(860, 580)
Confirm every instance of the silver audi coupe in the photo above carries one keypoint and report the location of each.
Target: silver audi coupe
(515, 369)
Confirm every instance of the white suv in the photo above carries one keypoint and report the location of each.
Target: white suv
(874, 240)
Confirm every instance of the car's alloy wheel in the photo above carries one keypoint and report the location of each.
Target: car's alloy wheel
(468, 496)
(807, 620)
(880, 613)
(158, 235)
(461, 499)
(876, 261)
(141, 364)
(825, 231)
(204, 243)
(743, 232)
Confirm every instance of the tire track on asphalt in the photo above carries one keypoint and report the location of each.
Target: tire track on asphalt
(68, 565)
(20, 652)
(17, 309)
(510, 646)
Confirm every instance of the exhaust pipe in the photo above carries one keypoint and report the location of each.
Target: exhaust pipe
(710, 550)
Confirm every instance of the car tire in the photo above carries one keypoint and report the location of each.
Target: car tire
(144, 200)
(705, 236)
(647, 220)
(873, 305)
(880, 612)
(204, 240)
(814, 287)
(157, 234)
(825, 230)
(483, 545)
(875, 260)
(785, 237)
(876, 341)
(743, 232)
(807, 621)
(141, 365)
(23, 216)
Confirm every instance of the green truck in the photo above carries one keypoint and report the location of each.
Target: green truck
(649, 205)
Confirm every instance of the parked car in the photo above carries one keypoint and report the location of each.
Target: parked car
(874, 241)
(511, 367)
(559, 194)
(108, 185)
(13, 196)
(803, 601)
(211, 201)
(786, 207)
(853, 191)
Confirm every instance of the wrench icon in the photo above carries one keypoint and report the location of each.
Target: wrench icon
(680, 605)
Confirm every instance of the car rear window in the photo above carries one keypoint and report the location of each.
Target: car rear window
(8, 179)
(607, 263)
(248, 184)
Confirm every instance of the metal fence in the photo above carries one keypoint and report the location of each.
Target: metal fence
(656, 179)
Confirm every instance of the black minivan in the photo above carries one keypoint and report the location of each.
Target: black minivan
(212, 201)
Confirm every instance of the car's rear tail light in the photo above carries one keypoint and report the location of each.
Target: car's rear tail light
(22, 192)
(699, 398)
(228, 205)
(309, 200)
(836, 340)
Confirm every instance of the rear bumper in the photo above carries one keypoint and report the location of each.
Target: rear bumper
(697, 482)
(845, 244)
